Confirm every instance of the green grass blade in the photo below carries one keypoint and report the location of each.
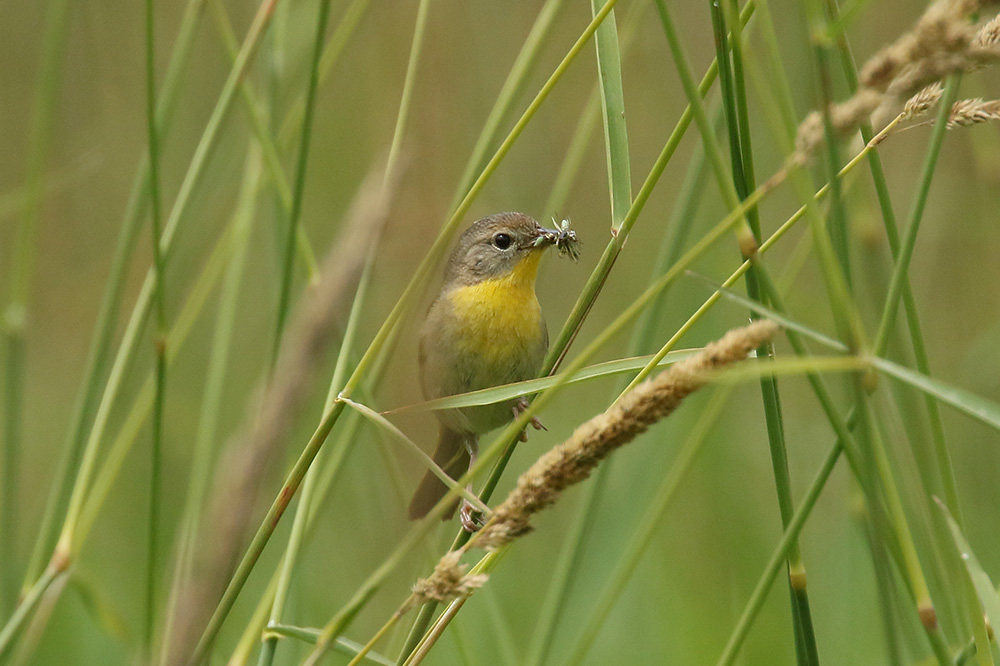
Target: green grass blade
(609, 72)
(14, 317)
(985, 589)
(380, 343)
(532, 386)
(104, 330)
(212, 396)
(979, 408)
(143, 304)
(591, 290)
(288, 260)
(160, 340)
(909, 241)
(342, 645)
(744, 181)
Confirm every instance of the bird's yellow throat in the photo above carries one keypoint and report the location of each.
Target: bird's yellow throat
(496, 315)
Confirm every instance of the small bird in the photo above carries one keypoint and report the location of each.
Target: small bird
(484, 329)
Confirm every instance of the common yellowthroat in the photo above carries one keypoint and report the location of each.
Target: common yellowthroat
(484, 329)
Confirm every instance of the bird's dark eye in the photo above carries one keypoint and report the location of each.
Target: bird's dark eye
(502, 241)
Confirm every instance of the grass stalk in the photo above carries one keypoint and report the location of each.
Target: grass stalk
(677, 228)
(647, 329)
(835, 278)
(68, 545)
(305, 504)
(100, 346)
(909, 241)
(123, 441)
(309, 489)
(160, 338)
(888, 521)
(112, 465)
(15, 314)
(595, 282)
(493, 450)
(873, 447)
(288, 260)
(778, 557)
(738, 121)
(262, 133)
(127, 349)
(24, 610)
(943, 467)
(207, 430)
(489, 453)
(585, 301)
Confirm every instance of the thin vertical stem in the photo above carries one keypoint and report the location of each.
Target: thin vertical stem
(160, 341)
(741, 156)
(15, 314)
(107, 317)
(288, 261)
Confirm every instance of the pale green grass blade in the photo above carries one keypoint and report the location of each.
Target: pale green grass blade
(15, 312)
(985, 589)
(531, 386)
(978, 407)
(609, 72)
(341, 645)
(104, 329)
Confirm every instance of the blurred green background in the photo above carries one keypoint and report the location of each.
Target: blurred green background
(710, 547)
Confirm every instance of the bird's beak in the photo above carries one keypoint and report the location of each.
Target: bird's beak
(544, 237)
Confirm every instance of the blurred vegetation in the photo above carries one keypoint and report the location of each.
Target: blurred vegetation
(73, 124)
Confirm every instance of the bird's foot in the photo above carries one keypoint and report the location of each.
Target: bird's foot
(519, 407)
(470, 517)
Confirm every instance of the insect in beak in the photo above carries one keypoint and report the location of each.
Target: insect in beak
(562, 237)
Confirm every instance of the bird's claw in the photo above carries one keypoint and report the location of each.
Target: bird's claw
(519, 407)
(470, 517)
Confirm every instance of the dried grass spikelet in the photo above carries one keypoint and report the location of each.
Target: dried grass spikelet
(845, 118)
(449, 581)
(967, 112)
(941, 29)
(988, 36)
(923, 101)
(942, 42)
(574, 460)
